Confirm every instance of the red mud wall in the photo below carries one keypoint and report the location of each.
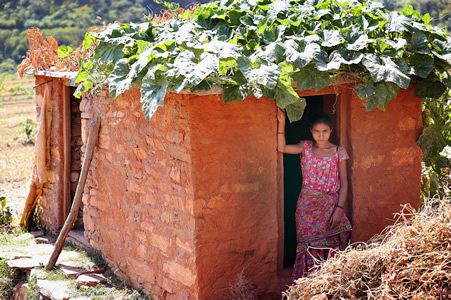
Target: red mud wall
(385, 164)
(234, 171)
(50, 206)
(139, 195)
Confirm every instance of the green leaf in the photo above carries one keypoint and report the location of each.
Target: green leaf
(223, 49)
(64, 51)
(365, 90)
(301, 54)
(109, 53)
(271, 53)
(397, 22)
(385, 71)
(355, 40)
(428, 88)
(265, 73)
(423, 64)
(119, 81)
(296, 110)
(88, 40)
(195, 73)
(284, 93)
(235, 93)
(308, 78)
(419, 43)
(431, 142)
(330, 38)
(336, 58)
(152, 95)
(442, 163)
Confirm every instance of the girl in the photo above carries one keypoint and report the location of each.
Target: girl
(321, 224)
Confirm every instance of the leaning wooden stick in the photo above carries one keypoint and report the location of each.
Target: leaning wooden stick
(71, 218)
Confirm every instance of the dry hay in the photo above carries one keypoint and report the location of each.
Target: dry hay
(410, 260)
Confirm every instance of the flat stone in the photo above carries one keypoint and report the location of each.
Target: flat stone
(24, 264)
(42, 240)
(91, 280)
(36, 234)
(38, 274)
(72, 272)
(20, 291)
(55, 290)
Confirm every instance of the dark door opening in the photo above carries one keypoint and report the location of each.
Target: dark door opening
(295, 132)
(75, 157)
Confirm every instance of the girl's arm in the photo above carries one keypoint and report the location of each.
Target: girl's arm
(281, 143)
(336, 215)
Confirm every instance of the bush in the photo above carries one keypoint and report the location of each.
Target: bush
(6, 216)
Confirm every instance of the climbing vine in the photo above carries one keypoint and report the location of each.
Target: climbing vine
(270, 48)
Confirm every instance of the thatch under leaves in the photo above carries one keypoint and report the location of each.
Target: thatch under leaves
(410, 260)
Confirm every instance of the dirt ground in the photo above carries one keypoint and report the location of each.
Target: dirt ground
(17, 103)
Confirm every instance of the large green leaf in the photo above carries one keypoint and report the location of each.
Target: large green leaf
(419, 43)
(429, 88)
(431, 141)
(301, 54)
(264, 73)
(330, 38)
(422, 64)
(109, 53)
(355, 40)
(235, 93)
(152, 95)
(397, 22)
(365, 90)
(311, 78)
(336, 58)
(296, 110)
(119, 81)
(385, 71)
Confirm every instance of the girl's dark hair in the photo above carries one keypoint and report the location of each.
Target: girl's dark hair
(320, 118)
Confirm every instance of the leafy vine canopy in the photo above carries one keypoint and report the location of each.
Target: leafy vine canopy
(270, 48)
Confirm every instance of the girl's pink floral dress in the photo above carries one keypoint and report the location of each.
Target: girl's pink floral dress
(316, 203)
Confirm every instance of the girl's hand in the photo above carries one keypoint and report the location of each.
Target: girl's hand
(281, 115)
(335, 219)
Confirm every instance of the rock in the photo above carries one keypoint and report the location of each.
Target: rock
(38, 274)
(20, 291)
(72, 272)
(55, 290)
(42, 240)
(36, 234)
(24, 264)
(91, 279)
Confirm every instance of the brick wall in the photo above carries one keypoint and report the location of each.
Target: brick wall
(139, 193)
(234, 156)
(385, 165)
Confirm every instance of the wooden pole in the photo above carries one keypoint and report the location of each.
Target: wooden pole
(71, 218)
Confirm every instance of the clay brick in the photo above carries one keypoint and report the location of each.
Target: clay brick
(179, 273)
(141, 236)
(371, 161)
(140, 153)
(161, 242)
(142, 251)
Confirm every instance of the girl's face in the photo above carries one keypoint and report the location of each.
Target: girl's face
(321, 132)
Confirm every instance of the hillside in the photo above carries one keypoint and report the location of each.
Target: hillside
(65, 20)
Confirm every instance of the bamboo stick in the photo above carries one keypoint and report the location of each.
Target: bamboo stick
(71, 218)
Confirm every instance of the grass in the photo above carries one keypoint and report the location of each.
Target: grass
(16, 158)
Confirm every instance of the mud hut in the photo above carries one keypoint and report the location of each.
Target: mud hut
(182, 204)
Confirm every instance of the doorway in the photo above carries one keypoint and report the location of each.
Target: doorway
(294, 133)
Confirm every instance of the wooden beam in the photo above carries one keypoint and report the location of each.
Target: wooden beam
(93, 136)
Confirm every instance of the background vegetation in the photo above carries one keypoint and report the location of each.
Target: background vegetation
(65, 20)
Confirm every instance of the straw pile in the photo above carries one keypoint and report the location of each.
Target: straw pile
(410, 260)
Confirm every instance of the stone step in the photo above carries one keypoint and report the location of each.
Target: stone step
(54, 290)
(77, 237)
(91, 280)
